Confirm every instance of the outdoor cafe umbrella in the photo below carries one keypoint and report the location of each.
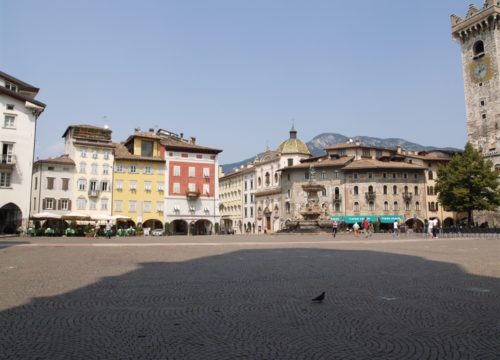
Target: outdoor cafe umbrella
(45, 216)
(75, 216)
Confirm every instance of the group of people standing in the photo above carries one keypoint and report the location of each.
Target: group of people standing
(366, 228)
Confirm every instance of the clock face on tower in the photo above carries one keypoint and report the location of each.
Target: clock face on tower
(480, 70)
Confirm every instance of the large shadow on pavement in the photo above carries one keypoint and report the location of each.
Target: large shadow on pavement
(255, 304)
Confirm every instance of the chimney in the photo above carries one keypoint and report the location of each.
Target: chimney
(398, 149)
(193, 140)
(182, 135)
(151, 130)
(358, 142)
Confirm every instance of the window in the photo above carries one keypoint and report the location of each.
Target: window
(394, 175)
(65, 184)
(396, 206)
(118, 205)
(82, 184)
(288, 194)
(159, 206)
(405, 176)
(93, 204)
(268, 179)
(132, 184)
(50, 168)
(94, 154)
(290, 162)
(10, 107)
(251, 211)
(49, 204)
(177, 188)
(10, 86)
(323, 192)
(417, 206)
(147, 185)
(192, 171)
(81, 204)
(83, 153)
(191, 187)
(355, 176)
(306, 174)
(160, 186)
(378, 154)
(276, 178)
(478, 49)
(177, 170)
(356, 190)
(386, 206)
(50, 183)
(146, 148)
(337, 207)
(384, 175)
(370, 175)
(246, 212)
(407, 206)
(147, 206)
(206, 189)
(148, 170)
(251, 184)
(82, 168)
(106, 155)
(431, 175)
(119, 185)
(132, 169)
(9, 122)
(105, 186)
(356, 206)
(119, 168)
(64, 204)
(105, 169)
(104, 204)
(93, 185)
(36, 183)
(366, 152)
(131, 206)
(370, 189)
(395, 190)
(93, 169)
(416, 190)
(206, 173)
(371, 206)
(431, 206)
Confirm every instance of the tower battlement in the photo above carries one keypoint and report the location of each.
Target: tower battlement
(476, 20)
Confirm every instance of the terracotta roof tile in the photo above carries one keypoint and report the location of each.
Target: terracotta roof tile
(172, 144)
(122, 153)
(376, 164)
(63, 160)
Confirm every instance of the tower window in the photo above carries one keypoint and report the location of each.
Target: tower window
(478, 49)
(483, 116)
(482, 103)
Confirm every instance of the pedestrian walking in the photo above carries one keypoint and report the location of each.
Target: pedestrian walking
(434, 228)
(366, 227)
(430, 228)
(355, 227)
(96, 229)
(335, 226)
(395, 228)
(371, 229)
(108, 229)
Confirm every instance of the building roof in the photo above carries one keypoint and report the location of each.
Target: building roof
(340, 162)
(122, 153)
(268, 192)
(21, 97)
(143, 134)
(240, 171)
(20, 84)
(376, 164)
(179, 144)
(356, 145)
(62, 160)
(85, 126)
(293, 145)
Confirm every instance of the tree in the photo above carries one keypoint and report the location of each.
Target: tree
(468, 183)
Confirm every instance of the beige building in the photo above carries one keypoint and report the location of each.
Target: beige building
(231, 202)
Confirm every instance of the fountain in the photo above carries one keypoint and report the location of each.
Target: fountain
(311, 211)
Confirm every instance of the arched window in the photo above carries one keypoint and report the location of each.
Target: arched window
(287, 207)
(276, 178)
(431, 175)
(437, 207)
(385, 189)
(431, 206)
(371, 206)
(394, 189)
(337, 193)
(370, 189)
(416, 190)
(386, 206)
(323, 192)
(396, 206)
(417, 206)
(259, 181)
(407, 206)
(356, 190)
(406, 189)
(478, 49)
(356, 206)
(268, 179)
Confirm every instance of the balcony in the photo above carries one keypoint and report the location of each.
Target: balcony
(7, 161)
(337, 198)
(407, 195)
(192, 195)
(370, 196)
(94, 193)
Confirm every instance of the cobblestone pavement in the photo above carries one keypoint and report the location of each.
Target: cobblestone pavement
(248, 297)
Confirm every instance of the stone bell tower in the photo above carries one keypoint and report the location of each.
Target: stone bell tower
(479, 37)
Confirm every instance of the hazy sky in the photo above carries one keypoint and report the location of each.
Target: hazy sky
(236, 73)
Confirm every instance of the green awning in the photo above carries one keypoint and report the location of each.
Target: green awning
(359, 219)
(386, 219)
(337, 218)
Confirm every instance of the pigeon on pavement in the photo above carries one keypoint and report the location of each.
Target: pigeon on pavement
(319, 298)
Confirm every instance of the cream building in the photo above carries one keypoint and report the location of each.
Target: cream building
(20, 112)
(91, 149)
(268, 191)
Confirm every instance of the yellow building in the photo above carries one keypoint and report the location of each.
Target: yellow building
(139, 180)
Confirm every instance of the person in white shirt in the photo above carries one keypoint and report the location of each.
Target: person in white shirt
(430, 228)
(395, 228)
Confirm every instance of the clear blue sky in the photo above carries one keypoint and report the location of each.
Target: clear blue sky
(236, 73)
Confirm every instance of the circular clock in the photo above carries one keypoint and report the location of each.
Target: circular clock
(480, 71)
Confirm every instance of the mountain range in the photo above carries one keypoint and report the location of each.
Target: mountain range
(320, 142)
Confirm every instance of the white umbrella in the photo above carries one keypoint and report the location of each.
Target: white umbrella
(119, 217)
(101, 217)
(75, 216)
(45, 215)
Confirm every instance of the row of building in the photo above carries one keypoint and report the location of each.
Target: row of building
(356, 181)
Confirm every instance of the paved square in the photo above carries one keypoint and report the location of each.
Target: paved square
(248, 297)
